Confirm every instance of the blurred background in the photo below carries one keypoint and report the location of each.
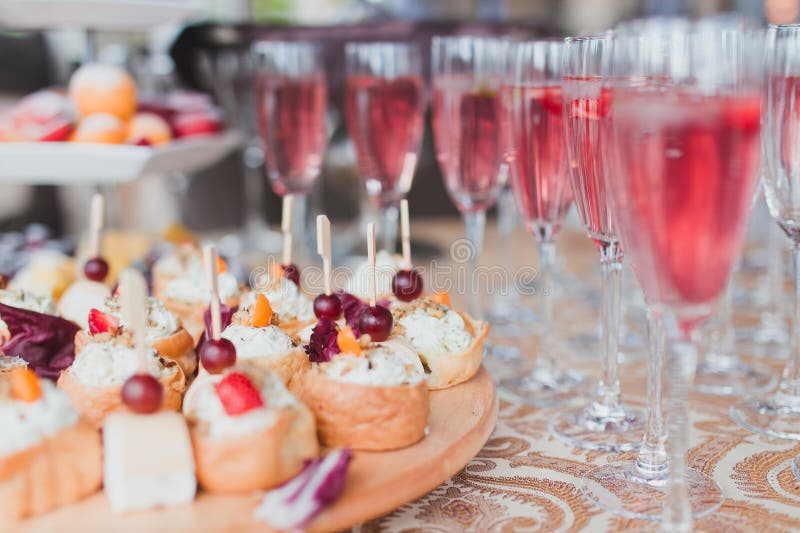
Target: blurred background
(202, 45)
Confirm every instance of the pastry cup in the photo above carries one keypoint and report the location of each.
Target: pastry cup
(291, 367)
(178, 347)
(95, 403)
(365, 417)
(448, 370)
(60, 470)
(191, 314)
(259, 460)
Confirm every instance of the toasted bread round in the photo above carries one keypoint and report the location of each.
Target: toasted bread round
(263, 459)
(451, 369)
(291, 367)
(95, 403)
(365, 417)
(58, 471)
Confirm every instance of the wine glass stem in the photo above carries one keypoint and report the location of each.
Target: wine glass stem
(388, 227)
(651, 462)
(681, 364)
(299, 226)
(608, 402)
(789, 390)
(546, 251)
(474, 227)
(506, 222)
(722, 353)
(253, 159)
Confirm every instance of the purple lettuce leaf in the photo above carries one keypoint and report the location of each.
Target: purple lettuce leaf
(46, 342)
(295, 503)
(322, 345)
(225, 314)
(352, 306)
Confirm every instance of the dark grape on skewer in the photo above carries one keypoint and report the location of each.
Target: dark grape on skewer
(143, 394)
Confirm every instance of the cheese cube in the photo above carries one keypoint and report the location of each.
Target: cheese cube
(148, 461)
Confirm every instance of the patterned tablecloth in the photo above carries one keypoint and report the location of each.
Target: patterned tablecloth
(526, 480)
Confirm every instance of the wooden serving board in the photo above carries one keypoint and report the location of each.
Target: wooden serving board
(461, 420)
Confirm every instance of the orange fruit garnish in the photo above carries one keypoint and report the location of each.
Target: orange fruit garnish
(222, 266)
(347, 342)
(262, 312)
(441, 298)
(275, 271)
(25, 385)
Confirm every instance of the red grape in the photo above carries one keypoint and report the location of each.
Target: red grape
(328, 306)
(292, 273)
(217, 355)
(376, 321)
(142, 393)
(96, 269)
(407, 285)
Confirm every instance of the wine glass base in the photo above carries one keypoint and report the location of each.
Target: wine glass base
(736, 379)
(546, 387)
(620, 489)
(514, 320)
(768, 416)
(581, 428)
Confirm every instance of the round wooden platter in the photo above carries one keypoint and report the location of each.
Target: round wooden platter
(460, 422)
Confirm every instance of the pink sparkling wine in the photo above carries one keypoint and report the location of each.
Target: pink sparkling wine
(467, 129)
(291, 123)
(538, 154)
(684, 171)
(586, 112)
(385, 121)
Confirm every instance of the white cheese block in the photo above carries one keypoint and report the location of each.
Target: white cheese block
(148, 461)
(80, 298)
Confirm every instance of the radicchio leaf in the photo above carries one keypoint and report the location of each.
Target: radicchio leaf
(352, 306)
(322, 345)
(225, 317)
(46, 342)
(295, 503)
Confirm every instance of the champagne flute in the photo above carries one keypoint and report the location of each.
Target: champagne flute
(467, 76)
(384, 104)
(291, 104)
(606, 423)
(540, 180)
(683, 157)
(778, 415)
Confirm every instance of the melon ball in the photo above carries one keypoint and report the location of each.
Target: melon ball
(98, 88)
(150, 128)
(100, 128)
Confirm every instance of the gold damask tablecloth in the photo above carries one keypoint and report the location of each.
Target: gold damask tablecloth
(526, 480)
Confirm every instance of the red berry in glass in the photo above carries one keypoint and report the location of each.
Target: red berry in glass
(96, 269)
(376, 321)
(407, 285)
(328, 306)
(142, 393)
(292, 273)
(217, 354)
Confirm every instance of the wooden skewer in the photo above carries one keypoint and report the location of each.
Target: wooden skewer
(287, 222)
(324, 249)
(96, 212)
(373, 289)
(210, 259)
(134, 308)
(405, 233)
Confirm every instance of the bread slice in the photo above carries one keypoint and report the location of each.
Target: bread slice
(95, 403)
(60, 470)
(178, 347)
(451, 369)
(365, 417)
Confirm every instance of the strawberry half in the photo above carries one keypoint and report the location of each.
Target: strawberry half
(100, 322)
(237, 394)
